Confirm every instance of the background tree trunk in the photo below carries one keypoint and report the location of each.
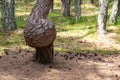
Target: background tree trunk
(52, 7)
(119, 8)
(114, 14)
(91, 1)
(8, 15)
(66, 7)
(77, 7)
(102, 17)
(40, 11)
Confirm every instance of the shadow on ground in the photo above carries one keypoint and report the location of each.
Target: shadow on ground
(18, 65)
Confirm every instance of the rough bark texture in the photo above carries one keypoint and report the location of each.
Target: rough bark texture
(102, 17)
(52, 7)
(114, 14)
(119, 8)
(77, 7)
(91, 1)
(44, 55)
(66, 7)
(8, 15)
(40, 10)
(40, 32)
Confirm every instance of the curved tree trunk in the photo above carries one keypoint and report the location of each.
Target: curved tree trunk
(41, 9)
(102, 17)
(114, 14)
(66, 7)
(8, 15)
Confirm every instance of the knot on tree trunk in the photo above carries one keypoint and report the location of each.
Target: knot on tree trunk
(40, 33)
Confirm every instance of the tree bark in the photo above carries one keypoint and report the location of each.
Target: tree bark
(52, 7)
(66, 7)
(114, 14)
(91, 1)
(8, 15)
(102, 17)
(40, 11)
(77, 8)
(44, 55)
(119, 8)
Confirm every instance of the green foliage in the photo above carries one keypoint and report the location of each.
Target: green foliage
(21, 21)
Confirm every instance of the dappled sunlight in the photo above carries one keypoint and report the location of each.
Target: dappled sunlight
(89, 10)
(113, 29)
(113, 34)
(89, 13)
(72, 34)
(77, 41)
(23, 14)
(12, 40)
(18, 31)
(58, 5)
(89, 6)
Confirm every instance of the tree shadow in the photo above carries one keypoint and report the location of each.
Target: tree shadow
(19, 66)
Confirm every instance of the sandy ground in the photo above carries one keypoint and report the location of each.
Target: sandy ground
(18, 65)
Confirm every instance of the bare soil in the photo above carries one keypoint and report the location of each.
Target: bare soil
(18, 65)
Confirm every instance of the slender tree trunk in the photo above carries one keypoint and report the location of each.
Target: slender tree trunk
(8, 15)
(119, 8)
(77, 8)
(52, 7)
(91, 1)
(80, 2)
(114, 14)
(66, 7)
(40, 11)
(102, 17)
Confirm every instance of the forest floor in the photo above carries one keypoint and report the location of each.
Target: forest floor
(16, 62)
(18, 65)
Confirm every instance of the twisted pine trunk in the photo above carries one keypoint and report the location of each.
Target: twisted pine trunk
(8, 15)
(44, 54)
(40, 10)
